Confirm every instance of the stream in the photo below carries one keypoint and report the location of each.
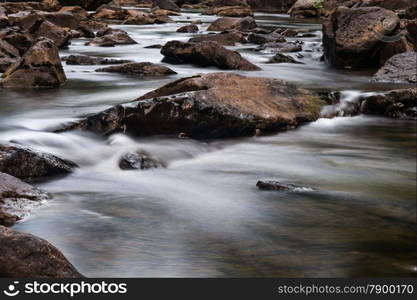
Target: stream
(203, 216)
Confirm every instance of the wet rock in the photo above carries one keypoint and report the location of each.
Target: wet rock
(139, 69)
(399, 68)
(188, 29)
(17, 37)
(93, 25)
(399, 104)
(166, 4)
(86, 4)
(39, 67)
(205, 54)
(306, 9)
(164, 12)
(8, 55)
(12, 7)
(224, 38)
(271, 185)
(23, 255)
(77, 11)
(108, 12)
(26, 19)
(43, 28)
(214, 105)
(282, 58)
(258, 38)
(86, 31)
(278, 6)
(137, 17)
(156, 46)
(111, 37)
(139, 161)
(15, 196)
(279, 47)
(93, 60)
(227, 23)
(4, 20)
(161, 19)
(229, 11)
(25, 163)
(347, 46)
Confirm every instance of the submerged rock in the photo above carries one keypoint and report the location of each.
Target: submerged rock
(25, 163)
(399, 68)
(214, 105)
(93, 60)
(23, 255)
(139, 161)
(141, 69)
(205, 54)
(282, 58)
(228, 23)
(271, 185)
(39, 67)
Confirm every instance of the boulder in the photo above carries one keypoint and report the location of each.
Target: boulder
(271, 185)
(137, 17)
(229, 11)
(282, 58)
(43, 28)
(18, 38)
(224, 38)
(109, 37)
(108, 12)
(227, 23)
(279, 47)
(15, 195)
(12, 7)
(39, 67)
(166, 4)
(164, 12)
(306, 9)
(278, 6)
(8, 55)
(23, 255)
(213, 105)
(259, 38)
(353, 37)
(139, 69)
(86, 4)
(93, 60)
(139, 160)
(77, 11)
(26, 19)
(399, 104)
(192, 28)
(205, 54)
(399, 68)
(25, 163)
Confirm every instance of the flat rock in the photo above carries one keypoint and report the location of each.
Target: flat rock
(139, 69)
(228, 23)
(259, 38)
(399, 68)
(93, 60)
(224, 38)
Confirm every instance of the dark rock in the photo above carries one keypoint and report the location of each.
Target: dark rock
(279, 47)
(23, 255)
(7, 219)
(24, 163)
(258, 38)
(109, 12)
(93, 60)
(306, 9)
(156, 46)
(8, 55)
(229, 11)
(161, 19)
(227, 23)
(270, 185)
(214, 105)
(111, 37)
(352, 37)
(86, 4)
(282, 58)
(39, 67)
(399, 68)
(137, 17)
(166, 4)
(77, 11)
(205, 54)
(139, 161)
(224, 38)
(278, 6)
(58, 35)
(139, 69)
(26, 19)
(399, 104)
(188, 29)
(4, 20)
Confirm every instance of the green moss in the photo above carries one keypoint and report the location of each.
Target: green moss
(313, 105)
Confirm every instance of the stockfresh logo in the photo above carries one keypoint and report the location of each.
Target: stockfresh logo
(12, 290)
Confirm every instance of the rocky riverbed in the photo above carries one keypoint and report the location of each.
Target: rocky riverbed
(133, 134)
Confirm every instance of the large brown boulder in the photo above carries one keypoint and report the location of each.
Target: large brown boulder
(26, 19)
(39, 67)
(279, 6)
(137, 17)
(399, 68)
(399, 104)
(210, 106)
(23, 255)
(8, 55)
(108, 12)
(205, 54)
(78, 11)
(224, 38)
(228, 23)
(139, 69)
(25, 163)
(58, 35)
(353, 37)
(306, 9)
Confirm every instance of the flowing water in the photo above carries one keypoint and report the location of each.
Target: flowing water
(203, 215)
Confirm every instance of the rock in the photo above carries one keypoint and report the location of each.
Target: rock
(24, 163)
(93, 60)
(155, 46)
(139, 69)
(160, 19)
(139, 161)
(188, 29)
(15, 196)
(4, 20)
(43, 28)
(108, 12)
(8, 55)
(137, 17)
(270, 185)
(164, 12)
(282, 58)
(399, 68)
(306, 9)
(111, 37)
(39, 67)
(86, 4)
(77, 11)
(12, 7)
(278, 6)
(227, 23)
(23, 255)
(93, 25)
(205, 54)
(346, 46)
(224, 38)
(279, 47)
(166, 4)
(405, 8)
(258, 38)
(399, 104)
(86, 31)
(18, 38)
(213, 105)
(27, 19)
(289, 32)
(229, 11)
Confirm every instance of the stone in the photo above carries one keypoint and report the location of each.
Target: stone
(399, 68)
(188, 29)
(139, 69)
(224, 38)
(139, 160)
(270, 185)
(93, 60)
(227, 23)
